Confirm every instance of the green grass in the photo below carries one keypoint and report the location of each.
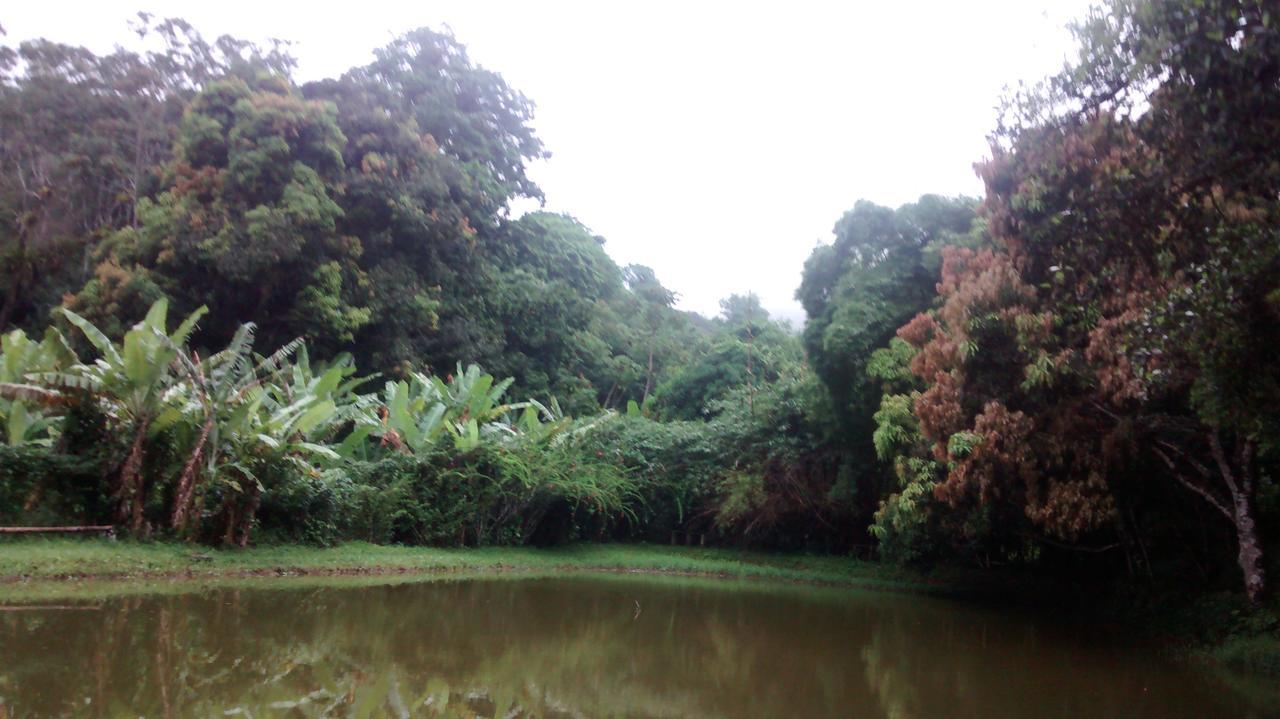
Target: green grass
(43, 560)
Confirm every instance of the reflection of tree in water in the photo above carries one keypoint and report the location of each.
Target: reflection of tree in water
(887, 683)
(935, 659)
(553, 648)
(549, 648)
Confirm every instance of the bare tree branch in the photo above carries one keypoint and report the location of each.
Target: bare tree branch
(1203, 492)
(1215, 445)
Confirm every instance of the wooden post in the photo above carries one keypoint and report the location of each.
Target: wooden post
(106, 529)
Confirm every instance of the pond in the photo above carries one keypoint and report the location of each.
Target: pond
(572, 646)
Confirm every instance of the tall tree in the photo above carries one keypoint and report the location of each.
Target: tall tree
(83, 138)
(1122, 328)
(655, 301)
(470, 113)
(880, 270)
(250, 196)
(746, 352)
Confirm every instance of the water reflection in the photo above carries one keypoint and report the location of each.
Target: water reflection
(572, 647)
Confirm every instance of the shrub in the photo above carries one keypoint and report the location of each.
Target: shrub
(41, 486)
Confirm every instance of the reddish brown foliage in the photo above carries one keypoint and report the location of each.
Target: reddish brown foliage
(988, 335)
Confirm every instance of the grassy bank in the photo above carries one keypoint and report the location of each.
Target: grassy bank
(1221, 629)
(48, 560)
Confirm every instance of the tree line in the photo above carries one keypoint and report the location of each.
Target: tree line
(1076, 371)
(366, 213)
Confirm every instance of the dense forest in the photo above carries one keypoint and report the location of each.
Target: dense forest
(238, 308)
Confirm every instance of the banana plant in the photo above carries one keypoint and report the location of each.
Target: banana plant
(475, 412)
(24, 414)
(305, 406)
(216, 386)
(254, 408)
(412, 417)
(291, 415)
(302, 408)
(540, 424)
(135, 383)
(466, 407)
(473, 392)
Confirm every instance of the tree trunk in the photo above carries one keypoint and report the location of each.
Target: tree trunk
(229, 506)
(1237, 508)
(131, 485)
(1240, 486)
(187, 481)
(247, 516)
(751, 375)
(648, 381)
(1250, 557)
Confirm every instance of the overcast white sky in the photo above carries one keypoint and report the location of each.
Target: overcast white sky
(716, 142)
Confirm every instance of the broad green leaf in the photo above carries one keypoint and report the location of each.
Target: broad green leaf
(95, 336)
(19, 423)
(321, 450)
(315, 416)
(136, 362)
(157, 313)
(357, 437)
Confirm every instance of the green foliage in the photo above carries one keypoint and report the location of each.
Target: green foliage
(84, 140)
(234, 441)
(467, 409)
(489, 495)
(892, 365)
(995, 386)
(132, 383)
(675, 461)
(746, 349)
(757, 472)
(251, 193)
(1259, 654)
(41, 486)
(377, 203)
(136, 374)
(906, 524)
(897, 429)
(22, 412)
(879, 272)
(742, 496)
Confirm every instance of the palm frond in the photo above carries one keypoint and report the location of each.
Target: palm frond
(272, 363)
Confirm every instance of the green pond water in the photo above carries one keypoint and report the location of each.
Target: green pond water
(574, 646)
